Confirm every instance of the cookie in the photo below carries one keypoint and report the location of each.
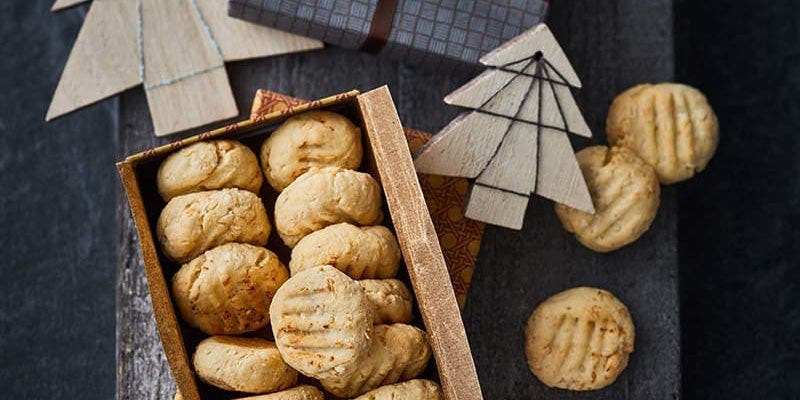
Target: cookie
(311, 139)
(303, 392)
(390, 299)
(209, 165)
(228, 289)
(360, 252)
(323, 197)
(670, 126)
(579, 339)
(248, 365)
(397, 353)
(195, 222)
(322, 322)
(416, 389)
(625, 193)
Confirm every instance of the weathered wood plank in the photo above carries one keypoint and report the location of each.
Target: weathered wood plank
(612, 46)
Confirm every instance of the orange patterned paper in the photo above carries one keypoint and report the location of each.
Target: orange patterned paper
(459, 237)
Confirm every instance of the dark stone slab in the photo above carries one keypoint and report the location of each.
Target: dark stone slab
(56, 207)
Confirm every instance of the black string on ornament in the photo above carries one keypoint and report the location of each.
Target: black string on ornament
(535, 58)
(536, 77)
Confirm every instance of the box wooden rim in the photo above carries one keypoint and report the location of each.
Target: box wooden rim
(415, 231)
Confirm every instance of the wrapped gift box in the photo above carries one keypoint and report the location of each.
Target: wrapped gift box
(429, 32)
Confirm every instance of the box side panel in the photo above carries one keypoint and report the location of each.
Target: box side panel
(420, 246)
(166, 320)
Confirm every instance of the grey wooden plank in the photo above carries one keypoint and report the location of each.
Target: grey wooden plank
(612, 45)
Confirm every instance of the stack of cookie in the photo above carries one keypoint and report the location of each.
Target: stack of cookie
(663, 133)
(337, 314)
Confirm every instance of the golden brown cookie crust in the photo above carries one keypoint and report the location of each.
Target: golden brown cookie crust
(327, 196)
(415, 389)
(625, 192)
(397, 353)
(228, 289)
(302, 392)
(390, 298)
(210, 165)
(322, 322)
(311, 139)
(671, 126)
(195, 222)
(248, 365)
(579, 339)
(361, 252)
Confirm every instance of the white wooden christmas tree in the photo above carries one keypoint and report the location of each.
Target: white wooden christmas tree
(514, 141)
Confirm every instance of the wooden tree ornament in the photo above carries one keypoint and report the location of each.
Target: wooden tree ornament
(514, 141)
(176, 49)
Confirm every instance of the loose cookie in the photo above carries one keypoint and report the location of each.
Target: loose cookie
(416, 389)
(625, 193)
(579, 339)
(322, 322)
(193, 223)
(397, 353)
(311, 139)
(228, 289)
(390, 299)
(323, 197)
(209, 165)
(360, 252)
(670, 126)
(249, 365)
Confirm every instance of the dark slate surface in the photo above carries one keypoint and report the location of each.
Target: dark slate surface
(738, 225)
(57, 211)
(740, 220)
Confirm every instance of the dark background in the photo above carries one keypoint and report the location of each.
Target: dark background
(739, 221)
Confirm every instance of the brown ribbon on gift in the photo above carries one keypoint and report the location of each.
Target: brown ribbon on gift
(380, 27)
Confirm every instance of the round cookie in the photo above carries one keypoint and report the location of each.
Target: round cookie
(228, 289)
(397, 353)
(390, 299)
(302, 392)
(322, 322)
(415, 389)
(323, 197)
(195, 222)
(311, 139)
(579, 339)
(248, 365)
(209, 165)
(360, 252)
(625, 193)
(669, 125)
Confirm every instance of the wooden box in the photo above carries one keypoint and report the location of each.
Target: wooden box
(387, 158)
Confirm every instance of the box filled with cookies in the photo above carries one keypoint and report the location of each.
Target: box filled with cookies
(292, 255)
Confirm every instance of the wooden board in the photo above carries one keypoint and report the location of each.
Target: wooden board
(515, 269)
(420, 245)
